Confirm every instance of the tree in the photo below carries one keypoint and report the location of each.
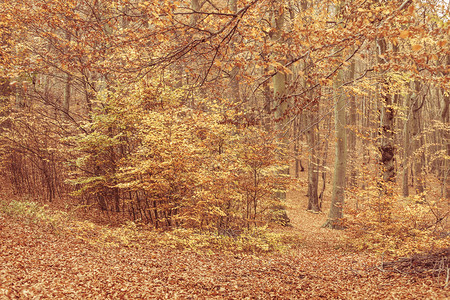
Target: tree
(340, 164)
(387, 147)
(417, 137)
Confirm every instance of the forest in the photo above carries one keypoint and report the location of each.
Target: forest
(224, 149)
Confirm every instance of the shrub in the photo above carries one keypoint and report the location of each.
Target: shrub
(162, 161)
(397, 226)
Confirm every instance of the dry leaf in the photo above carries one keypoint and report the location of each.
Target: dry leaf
(404, 34)
(416, 47)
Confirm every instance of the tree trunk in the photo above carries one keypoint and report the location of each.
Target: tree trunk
(340, 163)
(234, 81)
(419, 155)
(281, 105)
(67, 95)
(445, 117)
(313, 170)
(67, 88)
(20, 92)
(387, 147)
(406, 147)
(297, 147)
(352, 132)
(279, 91)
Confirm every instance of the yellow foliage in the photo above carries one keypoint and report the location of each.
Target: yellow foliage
(395, 226)
(171, 164)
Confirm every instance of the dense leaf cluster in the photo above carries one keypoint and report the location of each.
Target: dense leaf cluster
(171, 162)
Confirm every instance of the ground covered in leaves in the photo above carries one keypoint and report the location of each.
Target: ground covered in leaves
(42, 260)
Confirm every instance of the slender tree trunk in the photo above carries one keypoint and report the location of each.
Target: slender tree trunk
(340, 163)
(387, 147)
(445, 117)
(323, 171)
(67, 96)
(419, 155)
(67, 88)
(406, 147)
(352, 132)
(297, 147)
(313, 165)
(281, 105)
(19, 93)
(234, 81)
(279, 89)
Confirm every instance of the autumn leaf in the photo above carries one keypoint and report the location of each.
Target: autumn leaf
(442, 43)
(416, 47)
(404, 34)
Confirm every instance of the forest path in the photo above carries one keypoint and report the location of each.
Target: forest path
(308, 225)
(39, 262)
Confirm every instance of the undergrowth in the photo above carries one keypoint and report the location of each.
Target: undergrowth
(134, 235)
(253, 241)
(398, 226)
(32, 212)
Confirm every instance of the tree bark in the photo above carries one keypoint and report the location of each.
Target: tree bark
(406, 147)
(234, 81)
(67, 95)
(281, 105)
(340, 163)
(352, 132)
(419, 155)
(313, 165)
(279, 90)
(387, 147)
(445, 117)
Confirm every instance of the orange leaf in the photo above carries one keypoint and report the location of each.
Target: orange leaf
(416, 47)
(404, 34)
(442, 43)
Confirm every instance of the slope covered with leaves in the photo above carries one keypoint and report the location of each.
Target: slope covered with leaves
(46, 257)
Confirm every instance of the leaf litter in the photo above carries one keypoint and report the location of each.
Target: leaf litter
(38, 262)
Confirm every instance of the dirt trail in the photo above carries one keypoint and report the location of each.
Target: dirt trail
(309, 225)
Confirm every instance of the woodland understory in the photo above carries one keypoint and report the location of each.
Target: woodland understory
(224, 149)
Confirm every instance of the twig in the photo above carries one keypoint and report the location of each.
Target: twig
(448, 277)
(400, 271)
(382, 264)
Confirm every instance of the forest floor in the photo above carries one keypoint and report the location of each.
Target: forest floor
(52, 260)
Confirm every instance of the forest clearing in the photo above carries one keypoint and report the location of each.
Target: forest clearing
(233, 149)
